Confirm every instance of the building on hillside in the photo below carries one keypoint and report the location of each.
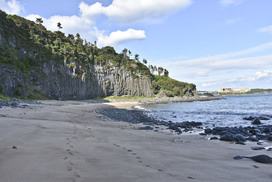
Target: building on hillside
(234, 90)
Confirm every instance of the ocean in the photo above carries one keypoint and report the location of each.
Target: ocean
(217, 113)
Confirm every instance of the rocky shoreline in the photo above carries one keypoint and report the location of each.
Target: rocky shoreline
(16, 103)
(167, 100)
(238, 135)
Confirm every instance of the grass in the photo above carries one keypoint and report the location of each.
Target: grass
(123, 97)
(4, 98)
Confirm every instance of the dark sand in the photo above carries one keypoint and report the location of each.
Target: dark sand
(69, 142)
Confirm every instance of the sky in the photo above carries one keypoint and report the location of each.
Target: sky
(211, 43)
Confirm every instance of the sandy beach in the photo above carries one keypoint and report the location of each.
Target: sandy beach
(68, 141)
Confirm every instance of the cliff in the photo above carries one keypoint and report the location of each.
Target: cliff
(37, 63)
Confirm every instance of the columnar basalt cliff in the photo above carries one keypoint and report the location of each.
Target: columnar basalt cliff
(38, 63)
(60, 82)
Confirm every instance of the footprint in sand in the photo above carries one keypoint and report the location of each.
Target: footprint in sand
(76, 175)
(69, 168)
(69, 152)
(116, 145)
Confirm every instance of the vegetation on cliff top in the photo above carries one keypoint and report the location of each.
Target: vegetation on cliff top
(26, 44)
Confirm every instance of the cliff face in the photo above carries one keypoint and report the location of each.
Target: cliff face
(35, 63)
(61, 82)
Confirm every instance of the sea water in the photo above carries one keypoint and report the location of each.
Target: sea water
(227, 112)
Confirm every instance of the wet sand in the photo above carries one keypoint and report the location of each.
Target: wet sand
(69, 141)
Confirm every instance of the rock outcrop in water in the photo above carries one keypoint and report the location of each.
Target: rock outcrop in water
(37, 63)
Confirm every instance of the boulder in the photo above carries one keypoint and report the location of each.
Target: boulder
(256, 121)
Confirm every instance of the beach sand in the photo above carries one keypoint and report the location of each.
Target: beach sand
(67, 141)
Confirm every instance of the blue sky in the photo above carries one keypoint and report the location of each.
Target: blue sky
(212, 43)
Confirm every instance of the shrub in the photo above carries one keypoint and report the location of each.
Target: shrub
(169, 93)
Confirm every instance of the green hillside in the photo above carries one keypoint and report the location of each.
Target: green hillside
(26, 44)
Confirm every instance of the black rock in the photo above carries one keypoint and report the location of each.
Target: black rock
(175, 128)
(233, 137)
(202, 134)
(257, 148)
(261, 136)
(214, 138)
(262, 159)
(251, 138)
(249, 118)
(146, 128)
(258, 158)
(208, 131)
(256, 121)
(238, 157)
(269, 138)
(189, 124)
(240, 143)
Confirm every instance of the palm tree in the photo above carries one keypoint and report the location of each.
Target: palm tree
(166, 72)
(59, 26)
(151, 68)
(155, 68)
(144, 61)
(39, 21)
(125, 53)
(160, 70)
(136, 57)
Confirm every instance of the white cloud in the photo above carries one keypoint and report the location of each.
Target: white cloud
(71, 24)
(223, 60)
(261, 79)
(130, 11)
(120, 36)
(224, 70)
(85, 27)
(230, 2)
(263, 74)
(124, 11)
(11, 7)
(266, 29)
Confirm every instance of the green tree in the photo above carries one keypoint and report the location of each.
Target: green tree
(166, 72)
(39, 21)
(125, 51)
(151, 68)
(59, 26)
(155, 69)
(160, 70)
(136, 57)
(144, 61)
(129, 53)
(71, 37)
(78, 36)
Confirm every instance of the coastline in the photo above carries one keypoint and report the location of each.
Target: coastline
(162, 100)
(73, 141)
